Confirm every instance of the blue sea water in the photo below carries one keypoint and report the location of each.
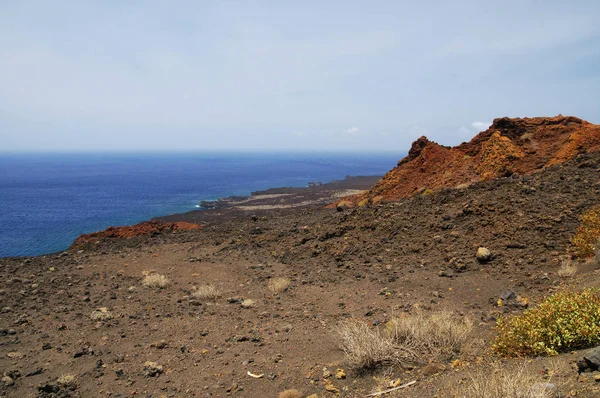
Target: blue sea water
(47, 200)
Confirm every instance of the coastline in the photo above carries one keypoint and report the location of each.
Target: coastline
(265, 203)
(273, 201)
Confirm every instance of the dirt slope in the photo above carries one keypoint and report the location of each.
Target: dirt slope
(368, 263)
(509, 146)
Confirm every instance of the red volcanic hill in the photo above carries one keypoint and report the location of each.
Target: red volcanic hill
(509, 146)
(132, 231)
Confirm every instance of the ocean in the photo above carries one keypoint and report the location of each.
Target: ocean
(47, 200)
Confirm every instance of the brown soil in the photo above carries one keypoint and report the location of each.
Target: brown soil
(509, 146)
(369, 263)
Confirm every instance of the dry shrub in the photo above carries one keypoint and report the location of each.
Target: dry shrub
(501, 383)
(248, 303)
(155, 281)
(290, 394)
(567, 269)
(407, 338)
(67, 381)
(440, 334)
(365, 347)
(279, 285)
(206, 292)
(588, 234)
(101, 314)
(562, 322)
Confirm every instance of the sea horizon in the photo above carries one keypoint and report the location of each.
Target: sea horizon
(51, 197)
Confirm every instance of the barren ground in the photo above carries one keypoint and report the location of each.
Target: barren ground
(369, 263)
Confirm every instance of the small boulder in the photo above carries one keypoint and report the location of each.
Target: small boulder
(152, 369)
(483, 255)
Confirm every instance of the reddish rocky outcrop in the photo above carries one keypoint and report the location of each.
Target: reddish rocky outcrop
(509, 146)
(132, 231)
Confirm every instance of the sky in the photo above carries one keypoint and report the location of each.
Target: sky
(287, 75)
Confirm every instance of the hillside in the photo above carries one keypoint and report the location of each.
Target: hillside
(86, 312)
(520, 146)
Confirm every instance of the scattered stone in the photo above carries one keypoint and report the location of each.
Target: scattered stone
(446, 274)
(35, 372)
(7, 380)
(235, 300)
(508, 295)
(152, 369)
(590, 362)
(159, 344)
(326, 373)
(483, 255)
(82, 352)
(48, 388)
(340, 374)
(13, 374)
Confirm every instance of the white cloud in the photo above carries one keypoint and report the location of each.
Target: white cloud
(480, 126)
(353, 131)
(463, 131)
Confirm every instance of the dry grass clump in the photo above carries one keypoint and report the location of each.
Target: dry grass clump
(248, 303)
(567, 269)
(206, 292)
(290, 394)
(279, 285)
(155, 281)
(562, 322)
(502, 383)
(365, 347)
(441, 334)
(406, 338)
(67, 381)
(101, 314)
(587, 237)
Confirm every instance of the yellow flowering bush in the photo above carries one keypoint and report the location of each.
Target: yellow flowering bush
(563, 321)
(588, 233)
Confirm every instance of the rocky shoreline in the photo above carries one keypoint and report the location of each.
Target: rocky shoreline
(271, 200)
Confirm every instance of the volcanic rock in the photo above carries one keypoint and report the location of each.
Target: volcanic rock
(510, 146)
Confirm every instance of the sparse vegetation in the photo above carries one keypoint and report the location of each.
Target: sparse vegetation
(155, 281)
(441, 334)
(290, 394)
(206, 292)
(406, 338)
(279, 285)
(67, 381)
(365, 347)
(588, 234)
(567, 269)
(563, 321)
(501, 382)
(101, 314)
(247, 303)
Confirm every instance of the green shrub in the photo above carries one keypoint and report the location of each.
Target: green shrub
(561, 322)
(588, 233)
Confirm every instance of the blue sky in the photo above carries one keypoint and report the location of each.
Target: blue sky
(278, 75)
